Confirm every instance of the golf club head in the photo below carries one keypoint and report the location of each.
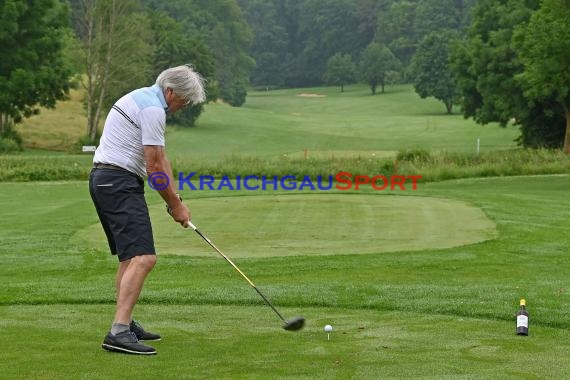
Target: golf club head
(294, 324)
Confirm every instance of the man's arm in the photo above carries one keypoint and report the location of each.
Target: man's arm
(156, 161)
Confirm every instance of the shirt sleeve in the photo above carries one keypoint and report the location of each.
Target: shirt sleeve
(153, 124)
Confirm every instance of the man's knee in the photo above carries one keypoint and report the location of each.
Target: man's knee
(145, 261)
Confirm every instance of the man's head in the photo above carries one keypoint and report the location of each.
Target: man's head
(181, 86)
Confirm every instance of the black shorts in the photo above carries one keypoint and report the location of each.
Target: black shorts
(118, 196)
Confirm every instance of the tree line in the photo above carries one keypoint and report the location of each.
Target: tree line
(501, 61)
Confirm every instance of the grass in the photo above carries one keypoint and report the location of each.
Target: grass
(417, 284)
(276, 123)
(365, 344)
(407, 223)
(431, 166)
(57, 129)
(431, 313)
(281, 133)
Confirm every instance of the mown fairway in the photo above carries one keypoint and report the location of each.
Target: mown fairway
(271, 124)
(445, 313)
(352, 123)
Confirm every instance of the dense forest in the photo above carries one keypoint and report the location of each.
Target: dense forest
(293, 40)
(501, 61)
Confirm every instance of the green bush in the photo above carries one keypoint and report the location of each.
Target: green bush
(19, 168)
(187, 117)
(10, 140)
(414, 155)
(9, 145)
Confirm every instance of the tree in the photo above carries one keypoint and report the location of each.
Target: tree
(229, 38)
(487, 66)
(293, 39)
(221, 25)
(376, 62)
(404, 23)
(437, 15)
(340, 70)
(396, 29)
(172, 47)
(430, 69)
(329, 27)
(486, 63)
(269, 46)
(34, 70)
(464, 7)
(116, 38)
(545, 53)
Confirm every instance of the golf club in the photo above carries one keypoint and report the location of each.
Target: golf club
(292, 324)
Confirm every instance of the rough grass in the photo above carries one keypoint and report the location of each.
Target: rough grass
(58, 129)
(432, 166)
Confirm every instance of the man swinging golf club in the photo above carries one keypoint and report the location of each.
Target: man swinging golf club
(132, 146)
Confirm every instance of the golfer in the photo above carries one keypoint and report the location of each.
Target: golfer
(131, 148)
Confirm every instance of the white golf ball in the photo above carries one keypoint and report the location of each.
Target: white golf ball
(328, 328)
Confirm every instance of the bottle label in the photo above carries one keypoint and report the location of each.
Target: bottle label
(522, 321)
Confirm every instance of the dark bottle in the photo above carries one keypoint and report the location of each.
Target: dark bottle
(522, 319)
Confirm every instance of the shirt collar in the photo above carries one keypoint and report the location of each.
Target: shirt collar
(156, 89)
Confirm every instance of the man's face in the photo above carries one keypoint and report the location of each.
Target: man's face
(174, 102)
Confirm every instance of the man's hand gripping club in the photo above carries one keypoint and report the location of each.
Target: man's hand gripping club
(178, 213)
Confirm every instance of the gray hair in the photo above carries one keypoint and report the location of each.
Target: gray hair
(185, 82)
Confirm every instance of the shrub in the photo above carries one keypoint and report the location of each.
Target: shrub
(10, 140)
(9, 145)
(414, 155)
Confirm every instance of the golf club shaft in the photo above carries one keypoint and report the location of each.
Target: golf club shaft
(191, 225)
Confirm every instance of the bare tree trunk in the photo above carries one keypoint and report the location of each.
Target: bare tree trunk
(90, 67)
(449, 106)
(567, 135)
(107, 66)
(89, 12)
(5, 122)
(100, 24)
(107, 37)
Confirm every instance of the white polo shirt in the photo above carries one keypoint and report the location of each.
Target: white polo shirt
(136, 119)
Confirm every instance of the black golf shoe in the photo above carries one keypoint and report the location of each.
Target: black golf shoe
(126, 342)
(141, 333)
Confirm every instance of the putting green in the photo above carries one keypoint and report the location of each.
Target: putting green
(314, 224)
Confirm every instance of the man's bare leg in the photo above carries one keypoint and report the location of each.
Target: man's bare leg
(129, 282)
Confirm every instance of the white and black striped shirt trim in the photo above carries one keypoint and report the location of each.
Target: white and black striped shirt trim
(125, 116)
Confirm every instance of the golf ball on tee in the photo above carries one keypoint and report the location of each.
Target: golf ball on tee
(328, 328)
